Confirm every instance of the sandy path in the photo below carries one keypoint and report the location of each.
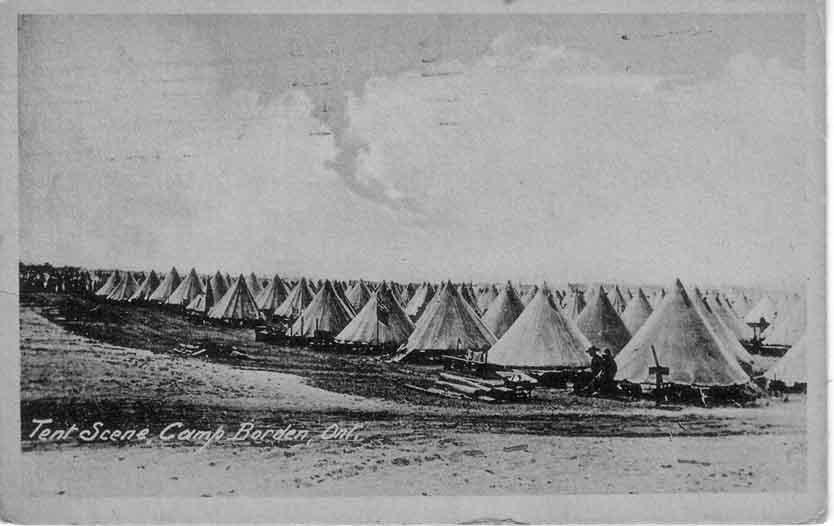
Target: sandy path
(456, 465)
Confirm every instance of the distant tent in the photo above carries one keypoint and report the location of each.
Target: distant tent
(124, 290)
(358, 295)
(147, 287)
(188, 289)
(505, 308)
(406, 294)
(253, 284)
(419, 300)
(109, 285)
(765, 308)
(629, 296)
(789, 325)
(657, 298)
(683, 343)
(449, 323)
(340, 291)
(792, 368)
(601, 324)
(299, 298)
(741, 305)
(724, 334)
(381, 321)
(617, 300)
(219, 285)
(530, 294)
(204, 302)
(167, 287)
(541, 337)
(326, 313)
(468, 294)
(486, 297)
(273, 295)
(237, 304)
(636, 312)
(575, 304)
(741, 330)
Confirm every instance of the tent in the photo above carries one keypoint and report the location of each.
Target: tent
(237, 304)
(575, 304)
(340, 291)
(765, 308)
(188, 289)
(419, 300)
(253, 284)
(449, 323)
(326, 313)
(468, 294)
(636, 312)
(406, 294)
(109, 285)
(789, 325)
(541, 337)
(503, 311)
(617, 300)
(724, 334)
(683, 343)
(792, 368)
(741, 330)
(204, 302)
(166, 288)
(601, 324)
(486, 297)
(358, 295)
(300, 296)
(382, 320)
(124, 290)
(529, 294)
(219, 285)
(273, 295)
(144, 290)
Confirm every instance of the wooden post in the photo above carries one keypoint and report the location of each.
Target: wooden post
(658, 371)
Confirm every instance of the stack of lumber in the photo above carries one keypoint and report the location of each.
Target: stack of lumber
(500, 389)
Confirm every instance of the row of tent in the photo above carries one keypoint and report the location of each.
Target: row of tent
(696, 335)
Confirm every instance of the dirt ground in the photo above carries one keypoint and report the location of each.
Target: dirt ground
(84, 363)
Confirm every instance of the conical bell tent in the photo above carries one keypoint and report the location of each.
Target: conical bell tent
(358, 295)
(253, 284)
(486, 298)
(203, 303)
(725, 336)
(683, 343)
(576, 304)
(219, 285)
(617, 300)
(789, 325)
(166, 288)
(505, 308)
(741, 330)
(186, 291)
(299, 298)
(326, 313)
(636, 312)
(237, 304)
(340, 291)
(109, 285)
(124, 290)
(467, 294)
(382, 321)
(144, 291)
(419, 301)
(601, 324)
(530, 294)
(792, 368)
(449, 323)
(406, 294)
(541, 337)
(273, 295)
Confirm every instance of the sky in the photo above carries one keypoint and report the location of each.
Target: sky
(630, 148)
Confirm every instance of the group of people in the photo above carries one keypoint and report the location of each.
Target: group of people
(603, 370)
